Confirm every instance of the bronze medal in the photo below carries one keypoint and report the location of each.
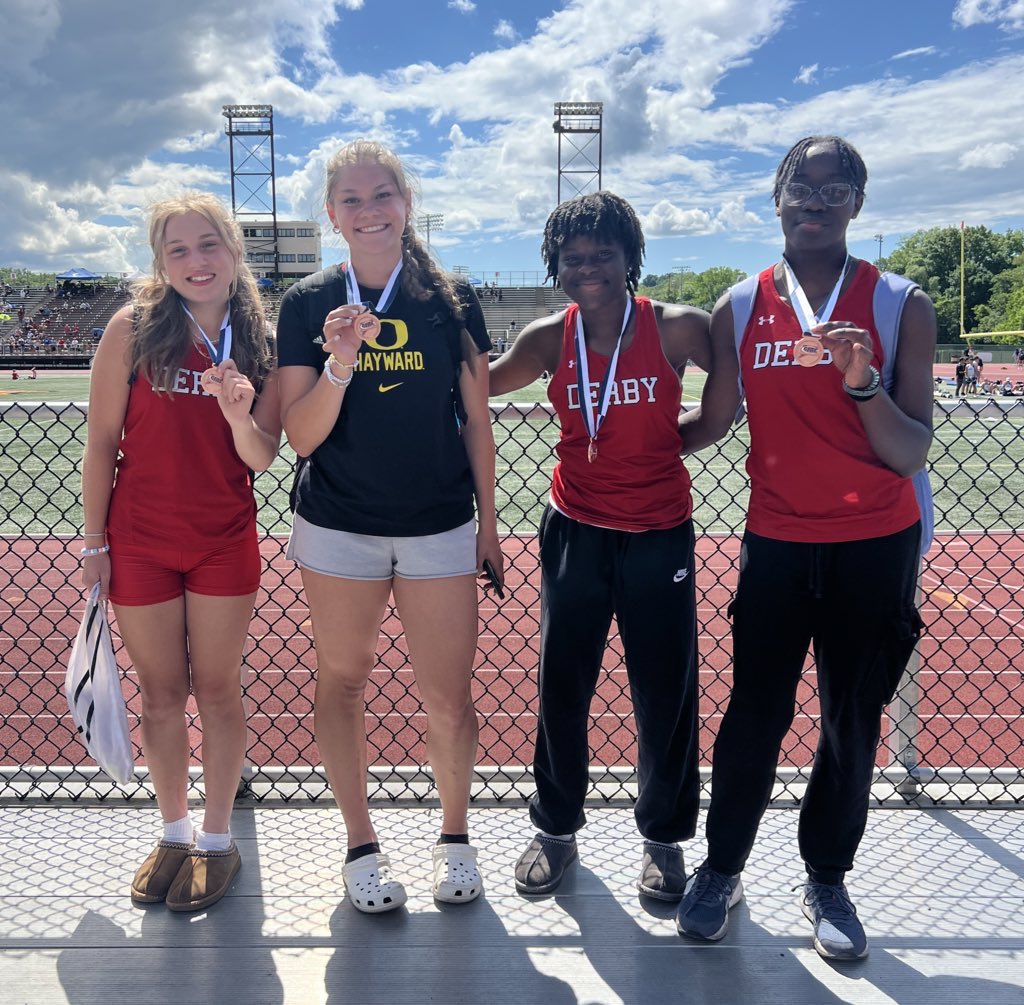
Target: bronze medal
(592, 451)
(367, 326)
(808, 351)
(211, 381)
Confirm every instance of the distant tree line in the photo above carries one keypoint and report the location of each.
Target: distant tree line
(993, 280)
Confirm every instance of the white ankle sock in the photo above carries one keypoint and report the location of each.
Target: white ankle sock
(179, 831)
(206, 841)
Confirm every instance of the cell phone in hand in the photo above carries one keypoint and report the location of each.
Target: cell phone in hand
(493, 577)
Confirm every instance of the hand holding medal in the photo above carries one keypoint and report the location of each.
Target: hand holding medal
(810, 350)
(342, 336)
(851, 347)
(233, 388)
(211, 379)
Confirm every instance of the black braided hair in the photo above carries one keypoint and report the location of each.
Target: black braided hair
(852, 163)
(603, 216)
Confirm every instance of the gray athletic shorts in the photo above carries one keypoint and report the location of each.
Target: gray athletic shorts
(363, 556)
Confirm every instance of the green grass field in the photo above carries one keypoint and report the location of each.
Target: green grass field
(974, 460)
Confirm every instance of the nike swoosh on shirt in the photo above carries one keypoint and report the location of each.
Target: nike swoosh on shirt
(389, 387)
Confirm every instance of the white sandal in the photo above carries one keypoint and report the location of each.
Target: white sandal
(456, 877)
(370, 886)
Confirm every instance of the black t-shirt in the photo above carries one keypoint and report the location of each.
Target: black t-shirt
(394, 465)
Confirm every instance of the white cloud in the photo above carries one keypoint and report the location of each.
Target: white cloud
(1007, 14)
(462, 6)
(807, 74)
(118, 124)
(504, 30)
(921, 50)
(987, 155)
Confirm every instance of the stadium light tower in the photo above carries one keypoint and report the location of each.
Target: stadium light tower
(578, 125)
(250, 131)
(879, 238)
(428, 222)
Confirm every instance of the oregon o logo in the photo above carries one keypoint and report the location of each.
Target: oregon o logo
(393, 334)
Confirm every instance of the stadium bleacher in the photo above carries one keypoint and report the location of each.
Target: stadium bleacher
(504, 318)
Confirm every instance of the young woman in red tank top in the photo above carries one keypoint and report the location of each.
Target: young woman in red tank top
(831, 549)
(615, 539)
(175, 425)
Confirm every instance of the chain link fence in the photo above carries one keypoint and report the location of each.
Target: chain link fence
(953, 734)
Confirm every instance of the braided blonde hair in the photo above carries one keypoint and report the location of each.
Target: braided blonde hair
(421, 276)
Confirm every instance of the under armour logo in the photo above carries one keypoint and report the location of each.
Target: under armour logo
(438, 319)
(680, 575)
(762, 320)
(572, 363)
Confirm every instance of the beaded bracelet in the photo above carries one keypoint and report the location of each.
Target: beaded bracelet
(89, 552)
(332, 378)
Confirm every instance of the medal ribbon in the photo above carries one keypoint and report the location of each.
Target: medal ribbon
(591, 423)
(223, 351)
(387, 296)
(802, 306)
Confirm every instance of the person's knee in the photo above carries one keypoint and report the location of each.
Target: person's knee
(163, 702)
(450, 707)
(218, 697)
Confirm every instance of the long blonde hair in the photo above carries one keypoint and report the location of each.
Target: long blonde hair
(421, 276)
(161, 331)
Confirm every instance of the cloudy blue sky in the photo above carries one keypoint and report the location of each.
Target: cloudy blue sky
(106, 105)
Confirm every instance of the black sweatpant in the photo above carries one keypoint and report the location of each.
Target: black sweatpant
(647, 581)
(855, 603)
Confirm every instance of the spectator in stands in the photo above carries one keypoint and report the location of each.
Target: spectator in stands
(833, 537)
(383, 515)
(616, 539)
(182, 404)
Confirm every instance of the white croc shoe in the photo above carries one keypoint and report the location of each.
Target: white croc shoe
(370, 886)
(456, 877)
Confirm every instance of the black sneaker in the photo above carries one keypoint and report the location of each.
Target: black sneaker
(704, 912)
(662, 872)
(838, 933)
(541, 867)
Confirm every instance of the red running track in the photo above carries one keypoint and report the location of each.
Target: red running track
(970, 710)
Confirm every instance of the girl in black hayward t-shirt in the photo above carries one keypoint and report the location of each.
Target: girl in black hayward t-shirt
(389, 405)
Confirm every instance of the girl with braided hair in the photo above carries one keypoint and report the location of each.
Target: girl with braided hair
(839, 413)
(383, 392)
(616, 537)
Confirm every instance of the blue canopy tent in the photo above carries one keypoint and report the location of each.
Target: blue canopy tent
(264, 282)
(79, 275)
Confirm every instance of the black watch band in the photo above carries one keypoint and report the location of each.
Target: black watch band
(865, 393)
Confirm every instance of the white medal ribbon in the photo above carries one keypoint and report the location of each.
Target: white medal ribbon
(590, 423)
(387, 296)
(802, 306)
(223, 351)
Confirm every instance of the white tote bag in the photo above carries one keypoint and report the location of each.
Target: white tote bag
(93, 689)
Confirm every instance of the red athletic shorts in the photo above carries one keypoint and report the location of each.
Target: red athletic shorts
(141, 575)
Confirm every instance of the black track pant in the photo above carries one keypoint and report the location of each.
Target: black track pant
(647, 581)
(854, 602)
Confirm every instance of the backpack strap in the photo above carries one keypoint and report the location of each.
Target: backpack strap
(741, 300)
(891, 293)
